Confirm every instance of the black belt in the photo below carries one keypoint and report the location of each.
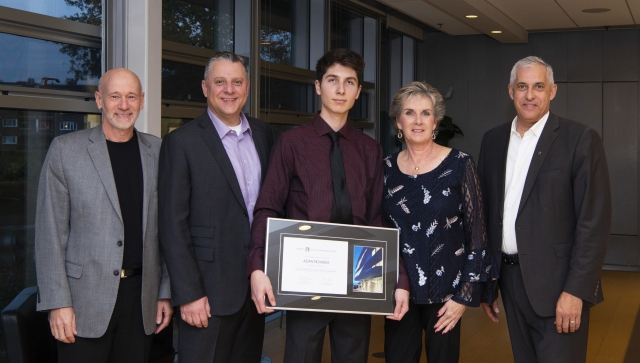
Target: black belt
(130, 272)
(510, 259)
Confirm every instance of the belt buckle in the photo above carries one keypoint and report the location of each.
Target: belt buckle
(510, 259)
(122, 274)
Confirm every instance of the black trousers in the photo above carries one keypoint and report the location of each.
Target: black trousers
(534, 338)
(349, 335)
(403, 339)
(227, 339)
(124, 341)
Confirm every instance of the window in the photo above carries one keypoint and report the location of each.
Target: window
(347, 29)
(21, 156)
(358, 32)
(279, 94)
(284, 32)
(9, 140)
(83, 11)
(182, 81)
(43, 64)
(68, 126)
(397, 69)
(360, 109)
(200, 23)
(10, 122)
(50, 52)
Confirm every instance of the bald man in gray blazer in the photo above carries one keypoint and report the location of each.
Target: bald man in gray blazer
(99, 269)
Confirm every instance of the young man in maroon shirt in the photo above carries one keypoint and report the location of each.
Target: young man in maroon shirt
(299, 185)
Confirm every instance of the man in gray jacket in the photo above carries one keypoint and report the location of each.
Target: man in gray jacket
(99, 268)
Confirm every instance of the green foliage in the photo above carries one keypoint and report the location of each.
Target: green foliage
(275, 45)
(188, 24)
(84, 61)
(447, 130)
(90, 11)
(196, 25)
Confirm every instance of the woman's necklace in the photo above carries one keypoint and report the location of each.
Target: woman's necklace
(416, 165)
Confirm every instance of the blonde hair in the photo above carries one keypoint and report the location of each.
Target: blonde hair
(417, 89)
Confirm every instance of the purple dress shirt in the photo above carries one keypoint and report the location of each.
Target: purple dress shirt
(244, 158)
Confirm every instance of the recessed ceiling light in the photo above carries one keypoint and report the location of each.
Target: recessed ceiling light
(596, 10)
(471, 16)
(496, 32)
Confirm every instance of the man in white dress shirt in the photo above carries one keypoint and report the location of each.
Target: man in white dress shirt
(548, 210)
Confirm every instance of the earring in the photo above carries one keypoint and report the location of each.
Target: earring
(433, 135)
(399, 134)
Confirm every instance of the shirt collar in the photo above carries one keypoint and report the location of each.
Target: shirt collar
(322, 127)
(536, 129)
(223, 129)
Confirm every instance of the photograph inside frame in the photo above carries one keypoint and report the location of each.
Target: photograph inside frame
(332, 267)
(368, 268)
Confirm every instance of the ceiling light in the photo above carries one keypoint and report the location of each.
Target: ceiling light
(265, 42)
(596, 10)
(496, 32)
(471, 16)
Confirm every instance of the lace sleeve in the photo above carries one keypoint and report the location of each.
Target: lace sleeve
(478, 268)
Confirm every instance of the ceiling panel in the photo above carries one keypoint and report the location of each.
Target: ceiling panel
(619, 14)
(541, 14)
(515, 18)
(489, 19)
(634, 5)
(431, 16)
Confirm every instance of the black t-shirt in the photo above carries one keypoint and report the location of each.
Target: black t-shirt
(127, 172)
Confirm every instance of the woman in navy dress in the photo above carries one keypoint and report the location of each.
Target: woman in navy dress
(433, 197)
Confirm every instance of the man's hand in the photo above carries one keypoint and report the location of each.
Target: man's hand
(449, 315)
(163, 315)
(568, 311)
(196, 313)
(63, 324)
(261, 286)
(491, 310)
(402, 304)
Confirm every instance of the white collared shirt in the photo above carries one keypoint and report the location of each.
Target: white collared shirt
(521, 149)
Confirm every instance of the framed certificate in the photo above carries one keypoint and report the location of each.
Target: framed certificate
(331, 267)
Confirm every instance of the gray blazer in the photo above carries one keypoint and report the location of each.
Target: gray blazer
(564, 216)
(79, 224)
(204, 223)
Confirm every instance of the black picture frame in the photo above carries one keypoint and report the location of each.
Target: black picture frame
(371, 275)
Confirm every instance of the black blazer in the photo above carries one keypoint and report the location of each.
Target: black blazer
(564, 217)
(203, 221)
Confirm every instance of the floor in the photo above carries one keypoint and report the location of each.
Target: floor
(614, 334)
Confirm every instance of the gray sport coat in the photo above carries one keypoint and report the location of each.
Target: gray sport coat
(79, 224)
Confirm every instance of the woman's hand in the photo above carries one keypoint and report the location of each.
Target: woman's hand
(402, 304)
(449, 315)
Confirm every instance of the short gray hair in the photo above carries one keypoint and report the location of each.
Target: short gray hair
(527, 62)
(417, 89)
(228, 56)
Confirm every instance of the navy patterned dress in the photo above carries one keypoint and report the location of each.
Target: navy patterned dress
(443, 241)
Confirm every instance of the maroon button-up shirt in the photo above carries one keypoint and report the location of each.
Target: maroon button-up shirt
(298, 183)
